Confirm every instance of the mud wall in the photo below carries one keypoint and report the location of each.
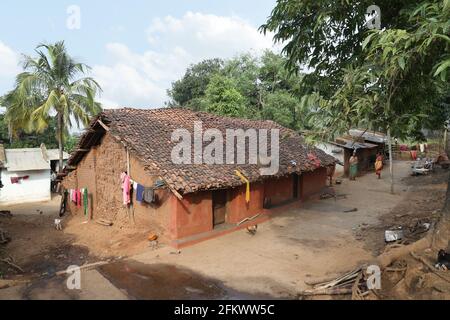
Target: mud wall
(313, 182)
(279, 190)
(100, 171)
(156, 216)
(238, 209)
(192, 215)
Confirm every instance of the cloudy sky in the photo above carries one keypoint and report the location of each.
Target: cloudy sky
(136, 48)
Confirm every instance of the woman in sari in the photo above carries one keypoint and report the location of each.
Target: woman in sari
(379, 165)
(353, 166)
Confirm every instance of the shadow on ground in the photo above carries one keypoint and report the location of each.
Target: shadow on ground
(168, 282)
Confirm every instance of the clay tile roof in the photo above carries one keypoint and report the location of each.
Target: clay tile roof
(147, 134)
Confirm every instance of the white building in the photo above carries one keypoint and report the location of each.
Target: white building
(334, 151)
(26, 174)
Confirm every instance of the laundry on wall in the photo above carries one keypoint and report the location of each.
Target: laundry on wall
(80, 197)
(143, 194)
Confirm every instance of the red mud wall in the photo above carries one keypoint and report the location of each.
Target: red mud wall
(313, 182)
(192, 215)
(279, 190)
(238, 209)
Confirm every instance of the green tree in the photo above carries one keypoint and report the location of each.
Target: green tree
(222, 97)
(244, 71)
(283, 108)
(326, 36)
(70, 143)
(22, 139)
(51, 88)
(262, 82)
(188, 91)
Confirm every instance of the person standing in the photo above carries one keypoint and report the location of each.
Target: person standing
(353, 166)
(379, 165)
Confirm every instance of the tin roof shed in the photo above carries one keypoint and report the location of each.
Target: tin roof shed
(25, 160)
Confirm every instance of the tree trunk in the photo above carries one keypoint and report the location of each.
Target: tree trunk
(10, 133)
(60, 140)
(391, 164)
(446, 139)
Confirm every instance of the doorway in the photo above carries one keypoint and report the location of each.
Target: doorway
(219, 202)
(295, 185)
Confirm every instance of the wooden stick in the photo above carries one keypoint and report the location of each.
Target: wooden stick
(104, 126)
(348, 276)
(104, 223)
(249, 219)
(175, 192)
(322, 280)
(85, 267)
(327, 292)
(9, 262)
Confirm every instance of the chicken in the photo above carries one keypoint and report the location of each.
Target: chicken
(252, 229)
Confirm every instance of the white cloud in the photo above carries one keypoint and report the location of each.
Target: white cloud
(141, 80)
(207, 35)
(9, 61)
(9, 65)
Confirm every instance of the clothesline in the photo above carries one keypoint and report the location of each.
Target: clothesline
(143, 194)
(80, 197)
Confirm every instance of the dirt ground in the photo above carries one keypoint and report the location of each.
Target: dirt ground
(323, 238)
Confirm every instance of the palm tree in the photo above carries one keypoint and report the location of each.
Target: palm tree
(50, 87)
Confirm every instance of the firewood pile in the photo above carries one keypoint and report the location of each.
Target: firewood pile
(346, 284)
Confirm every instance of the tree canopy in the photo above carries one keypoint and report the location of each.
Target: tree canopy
(395, 77)
(326, 36)
(257, 87)
(51, 88)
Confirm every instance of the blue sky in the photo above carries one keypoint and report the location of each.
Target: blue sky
(136, 48)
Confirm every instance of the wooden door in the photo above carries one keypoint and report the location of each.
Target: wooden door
(219, 201)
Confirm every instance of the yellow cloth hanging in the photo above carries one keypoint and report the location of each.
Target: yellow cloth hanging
(247, 182)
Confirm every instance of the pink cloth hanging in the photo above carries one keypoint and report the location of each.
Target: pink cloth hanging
(78, 198)
(74, 196)
(126, 188)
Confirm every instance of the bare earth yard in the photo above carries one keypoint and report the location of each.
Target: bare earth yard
(320, 239)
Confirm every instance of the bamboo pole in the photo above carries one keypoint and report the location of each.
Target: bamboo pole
(391, 164)
(446, 139)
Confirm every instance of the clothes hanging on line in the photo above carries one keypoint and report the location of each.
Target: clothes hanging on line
(140, 193)
(16, 180)
(126, 188)
(85, 201)
(73, 196)
(79, 197)
(149, 195)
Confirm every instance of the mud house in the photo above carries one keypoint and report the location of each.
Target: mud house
(366, 153)
(190, 202)
(26, 174)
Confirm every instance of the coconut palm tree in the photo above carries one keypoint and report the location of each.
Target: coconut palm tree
(51, 87)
